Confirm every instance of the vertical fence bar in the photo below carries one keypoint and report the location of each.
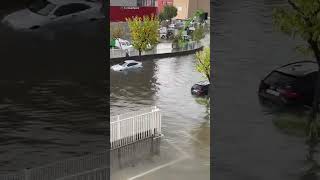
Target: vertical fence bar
(131, 127)
(27, 174)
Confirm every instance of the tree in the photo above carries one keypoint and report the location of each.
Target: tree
(117, 33)
(302, 18)
(199, 14)
(198, 34)
(144, 32)
(203, 62)
(168, 12)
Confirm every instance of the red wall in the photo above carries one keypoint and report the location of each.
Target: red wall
(162, 3)
(119, 13)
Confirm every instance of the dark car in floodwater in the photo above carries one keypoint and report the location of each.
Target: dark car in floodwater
(200, 88)
(291, 84)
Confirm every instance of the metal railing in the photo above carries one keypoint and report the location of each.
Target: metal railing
(118, 53)
(63, 168)
(95, 174)
(131, 127)
(131, 154)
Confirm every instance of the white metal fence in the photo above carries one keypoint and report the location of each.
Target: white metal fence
(117, 53)
(95, 174)
(124, 130)
(132, 154)
(131, 127)
(65, 168)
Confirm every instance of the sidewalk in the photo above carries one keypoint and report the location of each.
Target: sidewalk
(161, 48)
(174, 160)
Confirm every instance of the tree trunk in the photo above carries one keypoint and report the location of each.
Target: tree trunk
(139, 55)
(315, 103)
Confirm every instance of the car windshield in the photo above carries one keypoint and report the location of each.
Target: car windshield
(42, 7)
(123, 64)
(277, 78)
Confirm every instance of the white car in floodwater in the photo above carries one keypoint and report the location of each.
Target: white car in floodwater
(47, 12)
(128, 64)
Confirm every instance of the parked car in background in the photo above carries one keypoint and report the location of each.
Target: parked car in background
(291, 84)
(128, 64)
(172, 25)
(50, 12)
(163, 32)
(200, 88)
(120, 44)
(179, 25)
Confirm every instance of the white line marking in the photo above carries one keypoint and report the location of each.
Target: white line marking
(185, 156)
(191, 137)
(179, 149)
(157, 168)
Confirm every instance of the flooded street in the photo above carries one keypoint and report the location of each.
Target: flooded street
(52, 94)
(64, 51)
(45, 121)
(251, 140)
(185, 147)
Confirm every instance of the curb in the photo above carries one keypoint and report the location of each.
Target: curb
(155, 56)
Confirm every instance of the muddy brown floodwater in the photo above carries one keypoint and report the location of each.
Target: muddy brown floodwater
(185, 148)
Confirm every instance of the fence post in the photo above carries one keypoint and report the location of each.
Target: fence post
(27, 174)
(118, 127)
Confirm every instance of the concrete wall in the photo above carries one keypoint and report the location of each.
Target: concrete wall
(186, 8)
(123, 2)
(194, 5)
(182, 6)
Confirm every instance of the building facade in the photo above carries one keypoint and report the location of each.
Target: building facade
(122, 9)
(162, 3)
(186, 8)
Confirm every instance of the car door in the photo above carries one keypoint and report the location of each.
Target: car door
(305, 86)
(69, 13)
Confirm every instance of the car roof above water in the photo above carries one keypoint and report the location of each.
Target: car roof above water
(131, 61)
(299, 69)
(203, 83)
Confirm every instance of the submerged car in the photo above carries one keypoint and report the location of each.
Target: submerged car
(46, 12)
(200, 88)
(291, 84)
(128, 64)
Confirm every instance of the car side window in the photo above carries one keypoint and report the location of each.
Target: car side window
(132, 64)
(70, 9)
(306, 83)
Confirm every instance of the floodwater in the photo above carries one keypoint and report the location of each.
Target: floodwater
(52, 94)
(185, 147)
(45, 121)
(65, 51)
(251, 140)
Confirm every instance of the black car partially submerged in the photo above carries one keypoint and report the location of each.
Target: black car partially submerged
(291, 84)
(200, 89)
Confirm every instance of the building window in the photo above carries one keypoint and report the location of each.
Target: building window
(147, 3)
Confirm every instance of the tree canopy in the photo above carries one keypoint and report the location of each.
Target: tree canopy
(117, 32)
(144, 32)
(301, 18)
(198, 34)
(168, 12)
(203, 62)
